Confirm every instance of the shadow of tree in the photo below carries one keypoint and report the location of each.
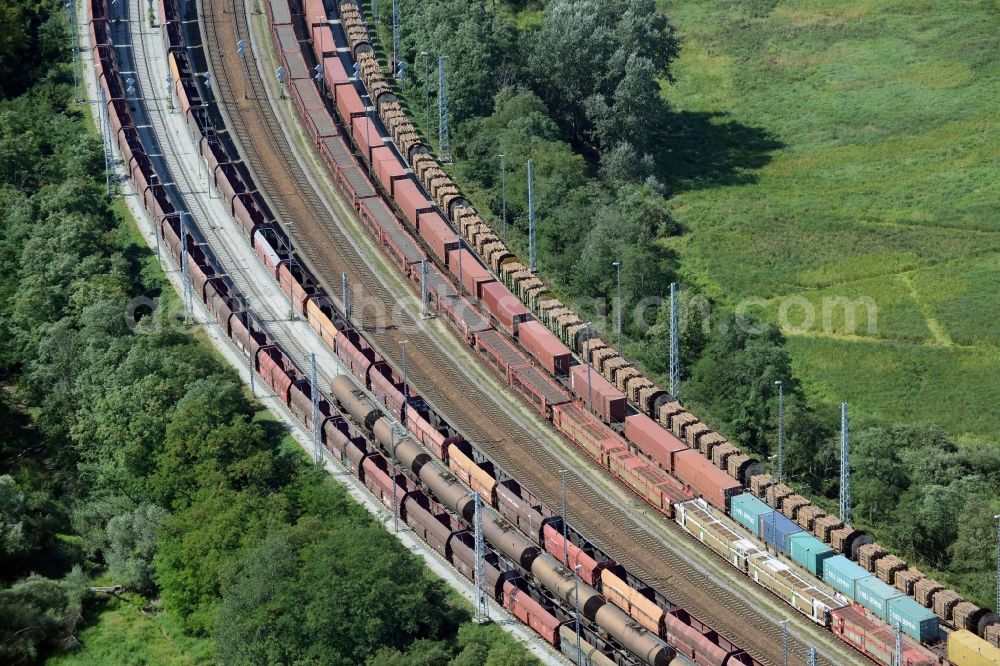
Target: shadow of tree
(705, 149)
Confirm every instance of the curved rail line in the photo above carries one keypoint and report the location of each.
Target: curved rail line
(609, 525)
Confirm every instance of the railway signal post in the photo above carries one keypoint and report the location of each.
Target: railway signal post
(241, 47)
(345, 296)
(106, 139)
(562, 475)
(503, 194)
(406, 390)
(590, 365)
(395, 36)
(675, 345)
(532, 251)
(576, 600)
(424, 296)
(280, 74)
(618, 305)
(314, 391)
(482, 597)
(845, 466)
(444, 144)
(781, 431)
(185, 273)
(427, 92)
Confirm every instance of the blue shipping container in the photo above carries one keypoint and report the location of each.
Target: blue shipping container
(843, 574)
(874, 595)
(775, 530)
(745, 509)
(913, 618)
(809, 551)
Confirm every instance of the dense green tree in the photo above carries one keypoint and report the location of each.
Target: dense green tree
(200, 545)
(131, 539)
(734, 380)
(39, 614)
(591, 56)
(879, 477)
(315, 595)
(212, 439)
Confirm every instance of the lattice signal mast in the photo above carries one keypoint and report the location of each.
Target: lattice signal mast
(482, 593)
(444, 143)
(845, 466)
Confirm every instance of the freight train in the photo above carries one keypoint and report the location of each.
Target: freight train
(388, 144)
(501, 329)
(420, 510)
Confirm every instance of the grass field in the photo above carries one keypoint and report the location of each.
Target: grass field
(121, 633)
(850, 149)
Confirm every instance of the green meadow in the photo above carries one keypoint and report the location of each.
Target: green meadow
(847, 149)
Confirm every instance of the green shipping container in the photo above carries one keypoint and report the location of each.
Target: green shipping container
(747, 509)
(810, 552)
(842, 574)
(913, 618)
(874, 595)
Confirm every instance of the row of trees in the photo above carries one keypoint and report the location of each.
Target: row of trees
(563, 96)
(131, 453)
(577, 91)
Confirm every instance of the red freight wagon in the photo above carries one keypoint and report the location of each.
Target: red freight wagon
(354, 184)
(365, 135)
(320, 124)
(519, 511)
(608, 402)
(538, 389)
(355, 453)
(590, 569)
(463, 316)
(427, 521)
(386, 166)
(270, 365)
(349, 102)
(400, 246)
(379, 479)
(353, 357)
(266, 252)
(585, 430)
(386, 388)
(307, 98)
(377, 217)
(703, 478)
(410, 199)
(696, 640)
(472, 274)
(335, 75)
(505, 306)
(314, 11)
(285, 34)
(875, 639)
(425, 433)
(652, 439)
(335, 435)
(336, 153)
(437, 234)
(323, 44)
(499, 353)
(544, 346)
(280, 13)
(530, 612)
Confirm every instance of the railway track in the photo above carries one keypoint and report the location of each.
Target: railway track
(187, 191)
(319, 237)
